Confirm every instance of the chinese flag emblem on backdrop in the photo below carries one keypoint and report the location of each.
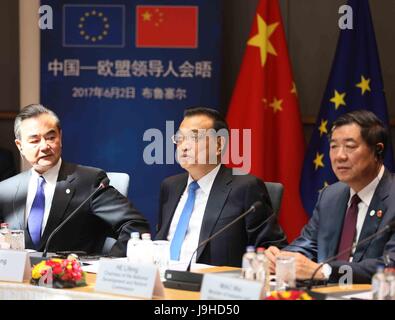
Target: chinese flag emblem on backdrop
(167, 26)
(265, 101)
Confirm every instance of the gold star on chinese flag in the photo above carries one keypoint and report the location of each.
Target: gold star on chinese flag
(293, 90)
(364, 85)
(338, 99)
(322, 128)
(276, 105)
(318, 160)
(146, 16)
(262, 39)
(264, 100)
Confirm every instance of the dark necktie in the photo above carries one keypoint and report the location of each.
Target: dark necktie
(35, 220)
(182, 225)
(349, 229)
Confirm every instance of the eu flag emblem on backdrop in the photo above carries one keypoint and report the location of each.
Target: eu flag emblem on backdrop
(167, 26)
(93, 25)
(355, 83)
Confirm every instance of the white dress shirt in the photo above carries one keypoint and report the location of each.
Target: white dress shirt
(191, 240)
(51, 177)
(366, 195)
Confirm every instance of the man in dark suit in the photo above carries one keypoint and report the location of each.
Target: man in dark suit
(38, 200)
(7, 165)
(361, 203)
(196, 204)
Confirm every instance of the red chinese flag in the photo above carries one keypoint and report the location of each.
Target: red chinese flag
(265, 101)
(167, 26)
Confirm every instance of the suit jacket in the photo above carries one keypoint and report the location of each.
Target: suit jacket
(320, 238)
(7, 165)
(229, 197)
(107, 214)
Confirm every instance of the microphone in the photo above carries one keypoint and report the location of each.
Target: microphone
(253, 208)
(186, 280)
(390, 226)
(104, 183)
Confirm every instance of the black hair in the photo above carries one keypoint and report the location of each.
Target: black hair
(218, 120)
(373, 130)
(32, 111)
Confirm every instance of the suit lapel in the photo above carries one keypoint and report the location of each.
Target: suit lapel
(170, 206)
(64, 191)
(19, 206)
(19, 203)
(216, 201)
(335, 229)
(372, 223)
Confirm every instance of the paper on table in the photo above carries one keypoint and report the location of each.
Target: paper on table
(182, 266)
(365, 295)
(92, 266)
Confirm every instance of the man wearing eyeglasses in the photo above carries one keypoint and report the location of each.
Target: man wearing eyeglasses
(198, 203)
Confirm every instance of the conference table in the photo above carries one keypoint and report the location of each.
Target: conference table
(88, 292)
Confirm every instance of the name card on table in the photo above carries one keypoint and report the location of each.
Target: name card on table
(118, 277)
(14, 266)
(215, 287)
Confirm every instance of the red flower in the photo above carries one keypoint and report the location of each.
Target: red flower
(289, 295)
(68, 271)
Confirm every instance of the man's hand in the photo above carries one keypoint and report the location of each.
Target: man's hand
(304, 267)
(271, 254)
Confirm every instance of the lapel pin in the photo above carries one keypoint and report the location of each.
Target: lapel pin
(372, 213)
(67, 191)
(379, 214)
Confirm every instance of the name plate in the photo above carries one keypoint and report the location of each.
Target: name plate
(116, 277)
(14, 266)
(215, 287)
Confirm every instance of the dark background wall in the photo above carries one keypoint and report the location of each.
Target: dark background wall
(9, 75)
(311, 28)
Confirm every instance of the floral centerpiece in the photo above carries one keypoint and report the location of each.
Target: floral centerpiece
(63, 273)
(289, 295)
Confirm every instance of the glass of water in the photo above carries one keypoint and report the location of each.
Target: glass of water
(161, 256)
(17, 240)
(285, 273)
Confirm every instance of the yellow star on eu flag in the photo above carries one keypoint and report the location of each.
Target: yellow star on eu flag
(322, 128)
(318, 161)
(338, 99)
(262, 39)
(324, 186)
(364, 85)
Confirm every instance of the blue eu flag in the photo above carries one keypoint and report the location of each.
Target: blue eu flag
(355, 82)
(93, 25)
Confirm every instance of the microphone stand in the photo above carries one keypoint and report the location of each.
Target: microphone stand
(251, 209)
(387, 228)
(102, 185)
(187, 280)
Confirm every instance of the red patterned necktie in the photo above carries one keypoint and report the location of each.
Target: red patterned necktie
(349, 229)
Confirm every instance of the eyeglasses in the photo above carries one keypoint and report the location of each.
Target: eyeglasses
(194, 137)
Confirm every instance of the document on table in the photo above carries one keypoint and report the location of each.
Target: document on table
(91, 266)
(361, 295)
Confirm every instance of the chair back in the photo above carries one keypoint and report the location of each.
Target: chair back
(119, 181)
(275, 191)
